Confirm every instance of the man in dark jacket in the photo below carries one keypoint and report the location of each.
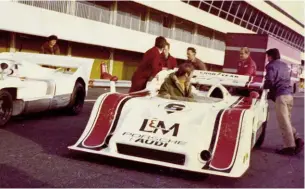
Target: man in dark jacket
(50, 46)
(149, 66)
(277, 80)
(191, 58)
(167, 61)
(177, 85)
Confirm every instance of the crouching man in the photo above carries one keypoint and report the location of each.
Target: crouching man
(177, 85)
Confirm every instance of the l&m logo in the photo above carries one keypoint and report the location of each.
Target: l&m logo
(154, 126)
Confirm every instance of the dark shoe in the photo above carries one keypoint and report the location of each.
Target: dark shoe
(286, 151)
(299, 145)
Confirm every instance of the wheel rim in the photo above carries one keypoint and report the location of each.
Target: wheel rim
(5, 108)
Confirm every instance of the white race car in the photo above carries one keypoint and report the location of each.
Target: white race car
(213, 135)
(28, 87)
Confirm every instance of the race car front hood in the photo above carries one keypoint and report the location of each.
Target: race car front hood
(165, 126)
(198, 136)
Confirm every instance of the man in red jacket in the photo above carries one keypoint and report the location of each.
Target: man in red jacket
(246, 66)
(149, 66)
(167, 61)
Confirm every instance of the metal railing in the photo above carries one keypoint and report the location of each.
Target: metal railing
(123, 19)
(129, 21)
(100, 14)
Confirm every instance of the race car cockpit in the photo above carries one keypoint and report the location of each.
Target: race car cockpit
(213, 86)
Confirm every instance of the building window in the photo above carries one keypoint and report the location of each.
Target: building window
(184, 30)
(194, 3)
(204, 36)
(219, 41)
(130, 15)
(205, 5)
(234, 7)
(160, 23)
(243, 14)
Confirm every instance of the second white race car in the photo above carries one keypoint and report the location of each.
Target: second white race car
(28, 87)
(213, 135)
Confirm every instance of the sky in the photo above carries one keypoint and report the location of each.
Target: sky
(295, 8)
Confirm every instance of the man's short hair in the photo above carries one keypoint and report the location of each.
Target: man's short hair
(52, 37)
(160, 42)
(245, 49)
(184, 68)
(273, 53)
(191, 49)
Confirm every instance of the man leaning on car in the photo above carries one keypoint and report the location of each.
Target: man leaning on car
(277, 80)
(149, 67)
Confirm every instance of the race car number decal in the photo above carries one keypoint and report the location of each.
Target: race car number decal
(154, 125)
(171, 108)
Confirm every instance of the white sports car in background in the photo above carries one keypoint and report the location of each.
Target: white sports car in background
(27, 87)
(213, 135)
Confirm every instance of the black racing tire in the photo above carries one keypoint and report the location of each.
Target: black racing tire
(77, 99)
(262, 136)
(6, 107)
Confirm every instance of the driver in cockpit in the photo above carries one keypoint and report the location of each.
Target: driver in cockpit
(177, 85)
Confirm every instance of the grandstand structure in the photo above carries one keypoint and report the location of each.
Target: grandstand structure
(119, 32)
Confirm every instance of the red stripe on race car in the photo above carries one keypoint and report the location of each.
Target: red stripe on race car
(226, 145)
(244, 103)
(104, 122)
(253, 84)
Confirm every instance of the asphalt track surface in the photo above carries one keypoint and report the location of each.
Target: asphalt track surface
(33, 153)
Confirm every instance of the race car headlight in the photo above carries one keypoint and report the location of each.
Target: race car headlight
(205, 155)
(3, 66)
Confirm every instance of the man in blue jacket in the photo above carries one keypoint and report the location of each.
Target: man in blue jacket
(277, 80)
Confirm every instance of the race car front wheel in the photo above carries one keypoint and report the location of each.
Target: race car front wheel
(6, 107)
(77, 99)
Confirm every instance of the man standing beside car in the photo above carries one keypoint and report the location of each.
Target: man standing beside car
(149, 67)
(50, 46)
(191, 58)
(167, 60)
(277, 80)
(246, 66)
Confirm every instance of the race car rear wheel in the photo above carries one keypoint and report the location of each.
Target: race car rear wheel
(77, 99)
(6, 107)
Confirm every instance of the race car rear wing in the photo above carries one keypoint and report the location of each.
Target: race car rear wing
(225, 79)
